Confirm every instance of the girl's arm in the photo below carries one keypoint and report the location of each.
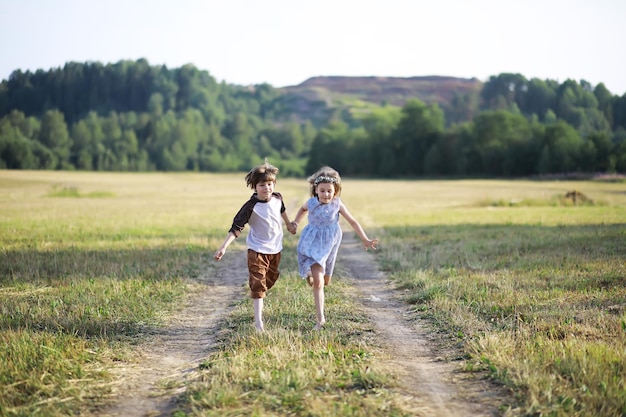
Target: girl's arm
(300, 215)
(367, 242)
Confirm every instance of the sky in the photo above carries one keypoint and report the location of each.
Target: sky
(285, 42)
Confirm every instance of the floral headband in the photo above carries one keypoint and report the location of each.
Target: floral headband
(324, 178)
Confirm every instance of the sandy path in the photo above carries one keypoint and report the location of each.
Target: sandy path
(431, 387)
(168, 359)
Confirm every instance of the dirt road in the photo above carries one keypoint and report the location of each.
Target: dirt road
(430, 387)
(168, 359)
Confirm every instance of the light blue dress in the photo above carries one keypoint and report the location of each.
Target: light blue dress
(320, 238)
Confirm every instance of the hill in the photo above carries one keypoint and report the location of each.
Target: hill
(318, 97)
(390, 90)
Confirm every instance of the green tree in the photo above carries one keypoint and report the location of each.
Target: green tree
(564, 145)
(495, 133)
(433, 161)
(605, 99)
(81, 152)
(55, 136)
(550, 117)
(540, 99)
(96, 145)
(127, 151)
(174, 159)
(28, 126)
(503, 91)
(418, 129)
(379, 125)
(619, 155)
(544, 165)
(241, 135)
(619, 113)
(309, 132)
(329, 148)
(463, 107)
(16, 151)
(45, 157)
(604, 152)
(155, 104)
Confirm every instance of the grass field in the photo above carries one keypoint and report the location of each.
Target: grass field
(530, 288)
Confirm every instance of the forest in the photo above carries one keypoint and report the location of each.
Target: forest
(131, 116)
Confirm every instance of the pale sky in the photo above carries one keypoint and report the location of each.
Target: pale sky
(285, 42)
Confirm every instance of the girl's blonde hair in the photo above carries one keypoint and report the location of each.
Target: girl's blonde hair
(261, 173)
(328, 175)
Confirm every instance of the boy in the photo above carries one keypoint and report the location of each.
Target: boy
(263, 212)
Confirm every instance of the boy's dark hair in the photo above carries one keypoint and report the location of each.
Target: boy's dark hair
(261, 173)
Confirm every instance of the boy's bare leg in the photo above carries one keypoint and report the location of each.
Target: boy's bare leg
(318, 294)
(258, 314)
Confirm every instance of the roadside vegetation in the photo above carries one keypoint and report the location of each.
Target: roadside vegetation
(531, 293)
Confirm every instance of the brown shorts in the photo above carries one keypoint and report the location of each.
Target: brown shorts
(263, 271)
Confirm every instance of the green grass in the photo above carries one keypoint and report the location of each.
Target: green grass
(532, 292)
(291, 369)
(542, 308)
(73, 192)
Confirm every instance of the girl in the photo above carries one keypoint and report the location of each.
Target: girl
(320, 239)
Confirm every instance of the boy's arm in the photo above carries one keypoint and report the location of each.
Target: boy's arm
(222, 250)
(290, 226)
(239, 222)
(242, 217)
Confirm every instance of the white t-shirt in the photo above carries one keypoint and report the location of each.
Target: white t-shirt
(265, 220)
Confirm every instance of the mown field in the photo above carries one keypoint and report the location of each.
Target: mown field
(527, 286)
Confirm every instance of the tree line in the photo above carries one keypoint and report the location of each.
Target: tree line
(131, 116)
(412, 141)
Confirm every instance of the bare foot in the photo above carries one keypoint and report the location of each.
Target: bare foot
(259, 327)
(320, 325)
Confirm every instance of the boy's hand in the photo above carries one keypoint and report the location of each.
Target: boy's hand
(292, 227)
(218, 255)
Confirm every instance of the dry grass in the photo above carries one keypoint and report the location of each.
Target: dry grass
(533, 293)
(291, 369)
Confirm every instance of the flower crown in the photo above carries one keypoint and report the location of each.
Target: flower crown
(325, 178)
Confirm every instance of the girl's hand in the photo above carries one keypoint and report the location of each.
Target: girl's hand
(370, 243)
(291, 227)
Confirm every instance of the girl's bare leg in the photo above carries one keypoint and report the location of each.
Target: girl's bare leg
(258, 314)
(318, 294)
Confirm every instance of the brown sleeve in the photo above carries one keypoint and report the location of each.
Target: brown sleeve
(242, 217)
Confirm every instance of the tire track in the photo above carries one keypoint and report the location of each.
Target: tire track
(430, 386)
(170, 356)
